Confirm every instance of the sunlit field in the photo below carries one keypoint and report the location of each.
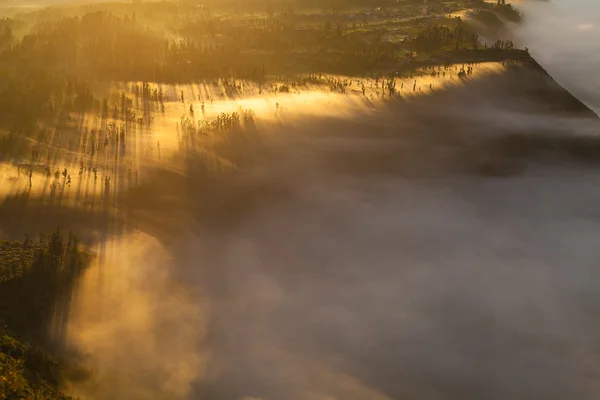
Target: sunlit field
(90, 158)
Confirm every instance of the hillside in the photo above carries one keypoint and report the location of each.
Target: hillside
(200, 125)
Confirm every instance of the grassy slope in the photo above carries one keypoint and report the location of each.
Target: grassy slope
(32, 279)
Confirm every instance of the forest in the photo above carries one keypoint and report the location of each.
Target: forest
(52, 58)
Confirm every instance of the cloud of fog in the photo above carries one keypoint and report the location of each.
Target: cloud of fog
(347, 281)
(135, 327)
(375, 289)
(362, 289)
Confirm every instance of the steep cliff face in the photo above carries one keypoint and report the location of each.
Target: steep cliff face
(542, 87)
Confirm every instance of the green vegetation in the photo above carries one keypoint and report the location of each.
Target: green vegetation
(35, 279)
(28, 372)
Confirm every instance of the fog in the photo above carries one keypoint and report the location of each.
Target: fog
(358, 256)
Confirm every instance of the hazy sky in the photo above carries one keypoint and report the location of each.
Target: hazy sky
(564, 36)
